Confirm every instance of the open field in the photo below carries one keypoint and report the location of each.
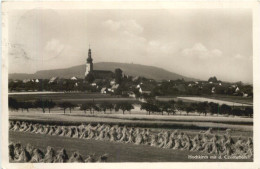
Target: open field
(72, 97)
(220, 102)
(81, 97)
(236, 99)
(152, 121)
(118, 152)
(228, 100)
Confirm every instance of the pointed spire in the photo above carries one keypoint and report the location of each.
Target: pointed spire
(89, 59)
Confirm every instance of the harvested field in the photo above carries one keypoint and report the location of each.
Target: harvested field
(23, 153)
(118, 152)
(153, 121)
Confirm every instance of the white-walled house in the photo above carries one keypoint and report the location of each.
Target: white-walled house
(53, 79)
(74, 78)
(104, 90)
(237, 90)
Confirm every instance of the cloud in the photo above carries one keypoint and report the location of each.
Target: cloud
(200, 51)
(130, 26)
(53, 48)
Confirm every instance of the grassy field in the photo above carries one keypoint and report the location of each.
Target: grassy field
(80, 97)
(118, 152)
(223, 98)
(72, 97)
(220, 102)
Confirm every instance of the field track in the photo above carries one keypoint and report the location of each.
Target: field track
(118, 152)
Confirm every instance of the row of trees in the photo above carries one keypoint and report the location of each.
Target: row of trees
(91, 107)
(172, 107)
(88, 106)
(40, 103)
(26, 105)
(151, 106)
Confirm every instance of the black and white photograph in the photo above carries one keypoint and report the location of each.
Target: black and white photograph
(130, 84)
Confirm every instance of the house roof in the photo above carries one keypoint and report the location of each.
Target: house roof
(73, 78)
(103, 89)
(115, 86)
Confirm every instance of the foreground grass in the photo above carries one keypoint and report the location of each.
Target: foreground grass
(118, 152)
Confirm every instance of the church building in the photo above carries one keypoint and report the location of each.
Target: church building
(98, 74)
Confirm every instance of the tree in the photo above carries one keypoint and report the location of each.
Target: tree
(13, 104)
(21, 105)
(90, 77)
(50, 104)
(213, 79)
(163, 106)
(95, 108)
(110, 106)
(219, 89)
(150, 107)
(71, 106)
(118, 75)
(84, 107)
(213, 108)
(189, 109)
(103, 106)
(88, 106)
(180, 105)
(146, 107)
(172, 108)
(249, 111)
(91, 106)
(40, 104)
(26, 105)
(202, 107)
(66, 105)
(124, 106)
(225, 109)
(106, 105)
(237, 112)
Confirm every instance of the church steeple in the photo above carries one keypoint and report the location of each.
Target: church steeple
(89, 64)
(89, 59)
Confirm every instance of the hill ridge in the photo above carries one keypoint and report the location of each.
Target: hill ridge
(151, 72)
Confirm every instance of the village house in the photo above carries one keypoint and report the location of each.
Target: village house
(114, 87)
(26, 80)
(93, 84)
(73, 78)
(112, 82)
(53, 79)
(104, 90)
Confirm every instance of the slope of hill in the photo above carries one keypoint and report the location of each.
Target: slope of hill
(150, 72)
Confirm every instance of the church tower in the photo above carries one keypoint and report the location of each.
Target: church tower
(89, 64)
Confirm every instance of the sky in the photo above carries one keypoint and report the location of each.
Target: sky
(197, 43)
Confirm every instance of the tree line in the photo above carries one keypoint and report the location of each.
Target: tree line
(44, 104)
(173, 107)
(151, 106)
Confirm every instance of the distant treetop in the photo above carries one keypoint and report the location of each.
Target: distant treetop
(213, 79)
